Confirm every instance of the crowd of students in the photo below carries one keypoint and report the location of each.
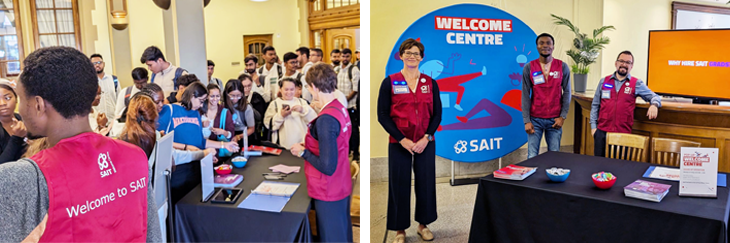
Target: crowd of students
(270, 105)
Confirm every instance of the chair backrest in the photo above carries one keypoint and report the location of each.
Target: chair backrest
(627, 146)
(666, 151)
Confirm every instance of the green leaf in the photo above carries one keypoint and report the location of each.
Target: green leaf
(588, 47)
(598, 31)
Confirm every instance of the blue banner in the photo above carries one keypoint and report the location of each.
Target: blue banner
(476, 54)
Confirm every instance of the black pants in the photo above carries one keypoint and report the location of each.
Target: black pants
(599, 143)
(185, 177)
(355, 137)
(400, 162)
(333, 220)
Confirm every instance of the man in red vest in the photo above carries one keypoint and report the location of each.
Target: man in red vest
(612, 109)
(545, 97)
(84, 186)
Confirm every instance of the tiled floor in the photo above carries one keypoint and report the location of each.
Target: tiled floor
(455, 205)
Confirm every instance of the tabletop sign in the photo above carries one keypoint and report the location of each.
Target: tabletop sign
(698, 172)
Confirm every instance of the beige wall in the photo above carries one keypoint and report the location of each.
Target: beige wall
(227, 21)
(388, 21)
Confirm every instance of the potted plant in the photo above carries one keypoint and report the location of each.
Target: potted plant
(584, 52)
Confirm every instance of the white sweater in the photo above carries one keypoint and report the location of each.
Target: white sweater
(290, 129)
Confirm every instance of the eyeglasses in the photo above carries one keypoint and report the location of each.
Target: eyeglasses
(235, 97)
(625, 62)
(411, 54)
(97, 63)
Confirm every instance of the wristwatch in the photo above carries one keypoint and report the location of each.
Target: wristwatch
(301, 153)
(429, 137)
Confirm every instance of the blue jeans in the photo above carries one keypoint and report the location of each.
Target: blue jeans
(552, 136)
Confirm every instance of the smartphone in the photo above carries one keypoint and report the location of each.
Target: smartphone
(285, 106)
(227, 195)
(270, 177)
(274, 174)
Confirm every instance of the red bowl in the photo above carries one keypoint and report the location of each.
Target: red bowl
(604, 184)
(224, 169)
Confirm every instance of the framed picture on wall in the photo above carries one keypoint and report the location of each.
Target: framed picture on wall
(698, 16)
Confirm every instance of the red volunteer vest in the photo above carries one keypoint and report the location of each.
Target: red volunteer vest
(617, 112)
(411, 111)
(339, 185)
(97, 190)
(547, 97)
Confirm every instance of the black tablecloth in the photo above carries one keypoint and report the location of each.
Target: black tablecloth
(537, 210)
(213, 222)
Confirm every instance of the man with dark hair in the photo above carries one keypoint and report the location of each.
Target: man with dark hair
(251, 62)
(291, 62)
(348, 81)
(612, 109)
(211, 79)
(316, 55)
(335, 58)
(357, 58)
(270, 73)
(84, 186)
(182, 83)
(163, 72)
(140, 78)
(306, 64)
(545, 97)
(109, 87)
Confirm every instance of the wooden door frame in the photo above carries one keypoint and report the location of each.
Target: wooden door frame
(247, 39)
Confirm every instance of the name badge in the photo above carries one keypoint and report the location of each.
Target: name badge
(606, 94)
(400, 87)
(538, 78)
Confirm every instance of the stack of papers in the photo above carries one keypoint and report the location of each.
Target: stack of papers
(646, 190)
(285, 169)
(514, 172)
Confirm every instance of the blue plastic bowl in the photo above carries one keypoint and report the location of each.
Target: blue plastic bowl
(557, 178)
(239, 164)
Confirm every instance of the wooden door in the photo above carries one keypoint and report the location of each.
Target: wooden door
(254, 44)
(339, 39)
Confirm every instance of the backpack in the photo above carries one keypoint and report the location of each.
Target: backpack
(116, 82)
(278, 69)
(127, 95)
(178, 73)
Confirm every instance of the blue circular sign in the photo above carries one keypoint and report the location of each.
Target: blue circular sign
(476, 54)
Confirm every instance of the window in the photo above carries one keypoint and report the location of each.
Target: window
(254, 44)
(340, 3)
(10, 41)
(55, 23)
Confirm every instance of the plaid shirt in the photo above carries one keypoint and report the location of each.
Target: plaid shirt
(347, 85)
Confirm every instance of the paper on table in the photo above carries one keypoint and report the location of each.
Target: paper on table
(672, 174)
(264, 203)
(285, 169)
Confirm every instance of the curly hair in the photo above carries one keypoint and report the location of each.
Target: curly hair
(141, 121)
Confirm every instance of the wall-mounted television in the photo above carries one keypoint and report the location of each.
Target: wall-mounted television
(690, 63)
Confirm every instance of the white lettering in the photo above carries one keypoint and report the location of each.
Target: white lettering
(474, 147)
(138, 185)
(498, 140)
(484, 145)
(483, 25)
(495, 25)
(701, 63)
(473, 24)
(449, 38)
(489, 40)
(470, 39)
(443, 23)
(674, 63)
(688, 63)
(457, 24)
(507, 26)
(498, 39)
(459, 38)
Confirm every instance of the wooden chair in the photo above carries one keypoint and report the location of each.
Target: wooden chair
(627, 146)
(665, 151)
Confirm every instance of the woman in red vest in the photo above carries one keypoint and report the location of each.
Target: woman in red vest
(325, 151)
(409, 108)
